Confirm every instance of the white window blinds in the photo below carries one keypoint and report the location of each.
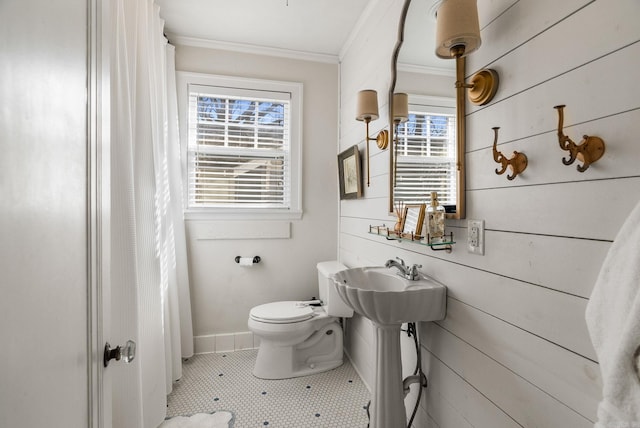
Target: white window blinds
(239, 148)
(426, 158)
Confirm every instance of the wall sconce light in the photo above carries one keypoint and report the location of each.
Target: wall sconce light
(400, 108)
(367, 110)
(400, 115)
(458, 35)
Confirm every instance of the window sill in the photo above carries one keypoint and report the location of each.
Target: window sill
(240, 214)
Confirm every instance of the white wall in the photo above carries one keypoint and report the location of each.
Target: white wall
(514, 348)
(222, 292)
(43, 214)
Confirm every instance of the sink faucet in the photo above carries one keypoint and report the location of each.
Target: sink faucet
(410, 273)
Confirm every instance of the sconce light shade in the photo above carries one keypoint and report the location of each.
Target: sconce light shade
(400, 107)
(457, 28)
(367, 108)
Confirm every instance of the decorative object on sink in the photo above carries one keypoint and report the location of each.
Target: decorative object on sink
(367, 110)
(349, 176)
(434, 225)
(588, 151)
(412, 219)
(399, 209)
(389, 299)
(517, 163)
(434, 221)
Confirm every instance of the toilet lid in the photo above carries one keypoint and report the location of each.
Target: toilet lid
(281, 312)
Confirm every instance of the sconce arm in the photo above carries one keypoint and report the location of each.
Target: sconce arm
(366, 121)
(460, 84)
(482, 87)
(382, 140)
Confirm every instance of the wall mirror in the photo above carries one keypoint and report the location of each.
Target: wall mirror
(427, 151)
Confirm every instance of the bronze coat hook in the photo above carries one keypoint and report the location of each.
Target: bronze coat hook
(588, 151)
(518, 162)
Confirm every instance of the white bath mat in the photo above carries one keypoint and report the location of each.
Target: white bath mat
(200, 420)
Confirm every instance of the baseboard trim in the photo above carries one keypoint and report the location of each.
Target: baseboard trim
(227, 342)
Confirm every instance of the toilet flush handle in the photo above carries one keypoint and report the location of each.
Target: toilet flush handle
(309, 303)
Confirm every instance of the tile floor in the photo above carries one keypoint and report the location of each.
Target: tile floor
(210, 382)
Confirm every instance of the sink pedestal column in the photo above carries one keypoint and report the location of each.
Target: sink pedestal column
(387, 403)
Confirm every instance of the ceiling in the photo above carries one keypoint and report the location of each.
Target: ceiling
(306, 26)
(312, 27)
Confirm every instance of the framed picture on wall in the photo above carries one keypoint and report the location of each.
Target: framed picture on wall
(349, 174)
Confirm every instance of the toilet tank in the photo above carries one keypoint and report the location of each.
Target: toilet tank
(333, 303)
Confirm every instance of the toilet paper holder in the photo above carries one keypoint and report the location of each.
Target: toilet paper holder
(256, 259)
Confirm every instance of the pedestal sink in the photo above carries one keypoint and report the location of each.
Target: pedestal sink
(388, 300)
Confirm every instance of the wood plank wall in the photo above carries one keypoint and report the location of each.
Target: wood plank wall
(514, 349)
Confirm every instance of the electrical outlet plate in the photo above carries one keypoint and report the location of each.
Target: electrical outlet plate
(475, 236)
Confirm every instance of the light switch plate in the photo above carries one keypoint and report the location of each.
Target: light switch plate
(475, 236)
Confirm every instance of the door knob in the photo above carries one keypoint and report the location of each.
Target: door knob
(126, 353)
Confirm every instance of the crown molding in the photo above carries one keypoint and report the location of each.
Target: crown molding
(252, 49)
(423, 69)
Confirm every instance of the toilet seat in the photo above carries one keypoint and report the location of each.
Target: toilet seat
(281, 312)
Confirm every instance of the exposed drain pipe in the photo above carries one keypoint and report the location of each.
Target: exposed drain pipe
(418, 375)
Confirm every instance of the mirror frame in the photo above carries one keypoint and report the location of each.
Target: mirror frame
(460, 123)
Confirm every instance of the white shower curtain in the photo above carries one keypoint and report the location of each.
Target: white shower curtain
(148, 239)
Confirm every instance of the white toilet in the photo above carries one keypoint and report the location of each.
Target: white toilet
(298, 339)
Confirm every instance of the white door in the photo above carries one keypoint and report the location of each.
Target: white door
(59, 300)
(46, 247)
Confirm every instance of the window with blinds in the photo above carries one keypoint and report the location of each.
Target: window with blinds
(240, 155)
(426, 158)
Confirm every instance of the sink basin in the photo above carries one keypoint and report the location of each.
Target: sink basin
(386, 298)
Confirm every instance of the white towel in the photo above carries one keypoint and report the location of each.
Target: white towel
(613, 319)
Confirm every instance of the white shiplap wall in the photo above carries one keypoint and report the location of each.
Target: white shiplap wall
(514, 350)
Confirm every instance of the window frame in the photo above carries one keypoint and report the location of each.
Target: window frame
(241, 86)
